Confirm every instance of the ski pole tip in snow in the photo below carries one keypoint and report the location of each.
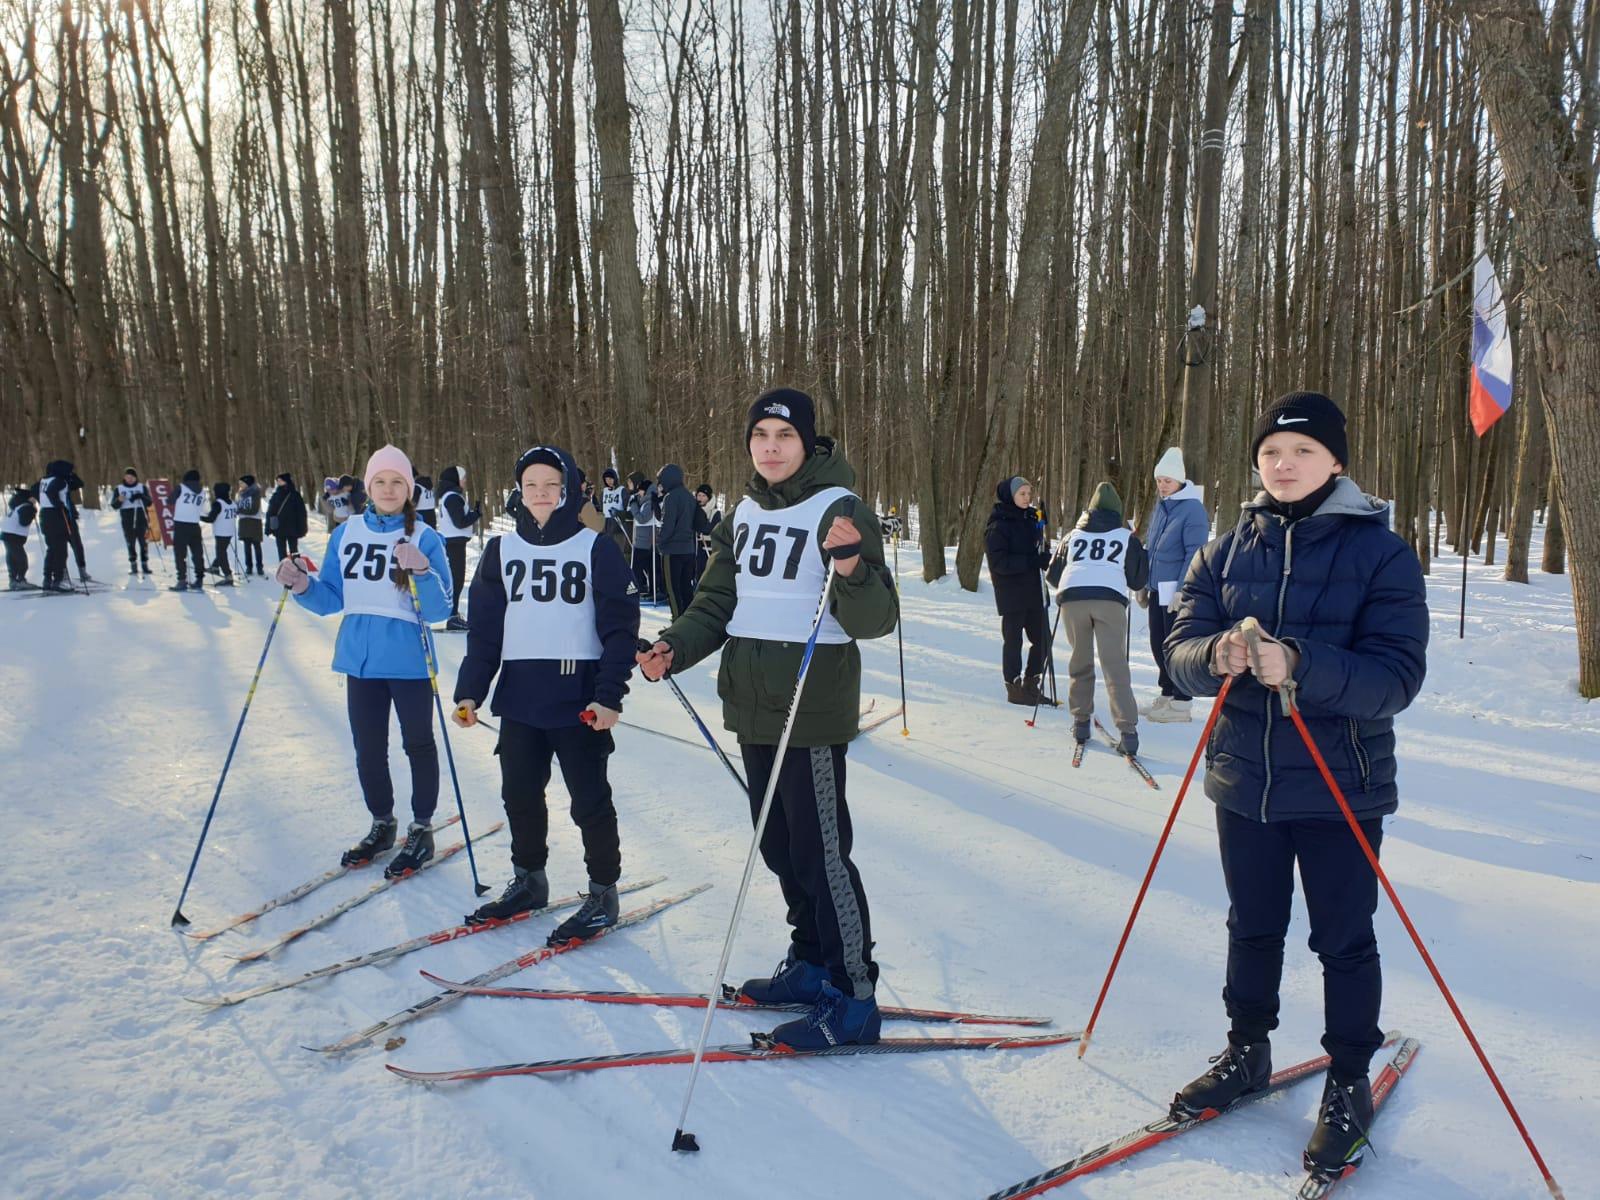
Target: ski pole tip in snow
(178, 919)
(481, 889)
(684, 1142)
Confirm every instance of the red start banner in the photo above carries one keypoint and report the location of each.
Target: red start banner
(161, 494)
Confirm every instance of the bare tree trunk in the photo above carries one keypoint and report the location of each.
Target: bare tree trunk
(1200, 376)
(1521, 82)
(1040, 219)
(619, 234)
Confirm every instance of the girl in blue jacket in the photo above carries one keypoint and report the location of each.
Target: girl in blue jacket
(1177, 531)
(371, 561)
(1314, 561)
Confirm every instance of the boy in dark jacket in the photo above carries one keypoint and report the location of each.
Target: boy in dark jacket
(706, 519)
(188, 508)
(1342, 598)
(1099, 561)
(223, 517)
(757, 603)
(132, 501)
(1014, 544)
(675, 537)
(56, 522)
(21, 510)
(556, 615)
(456, 518)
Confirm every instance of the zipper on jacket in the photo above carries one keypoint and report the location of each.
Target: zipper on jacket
(1283, 591)
(1361, 753)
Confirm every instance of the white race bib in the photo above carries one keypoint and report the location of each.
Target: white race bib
(1096, 560)
(779, 570)
(549, 599)
(447, 527)
(186, 509)
(227, 519)
(364, 560)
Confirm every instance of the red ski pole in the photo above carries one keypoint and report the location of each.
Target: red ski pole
(1252, 633)
(1172, 817)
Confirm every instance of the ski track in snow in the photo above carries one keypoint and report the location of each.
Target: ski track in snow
(999, 878)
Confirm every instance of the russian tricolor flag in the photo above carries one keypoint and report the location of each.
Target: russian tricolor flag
(1491, 350)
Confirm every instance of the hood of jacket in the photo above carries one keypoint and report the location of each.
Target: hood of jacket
(59, 469)
(449, 480)
(1099, 520)
(221, 491)
(566, 520)
(1187, 492)
(671, 476)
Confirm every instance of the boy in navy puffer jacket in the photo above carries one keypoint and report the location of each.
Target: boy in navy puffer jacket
(1314, 561)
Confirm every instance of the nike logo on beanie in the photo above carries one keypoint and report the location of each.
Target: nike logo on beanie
(1292, 420)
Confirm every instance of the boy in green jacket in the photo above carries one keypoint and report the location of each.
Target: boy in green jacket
(759, 593)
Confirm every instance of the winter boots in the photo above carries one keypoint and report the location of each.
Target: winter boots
(379, 838)
(527, 891)
(794, 982)
(1164, 710)
(834, 1020)
(1129, 745)
(1016, 692)
(597, 914)
(1080, 730)
(1234, 1074)
(417, 850)
(455, 625)
(1340, 1138)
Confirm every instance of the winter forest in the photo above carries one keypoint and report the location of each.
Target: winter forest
(989, 237)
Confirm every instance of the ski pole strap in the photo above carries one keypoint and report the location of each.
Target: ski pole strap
(1251, 628)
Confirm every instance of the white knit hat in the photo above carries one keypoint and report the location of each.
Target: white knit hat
(1171, 465)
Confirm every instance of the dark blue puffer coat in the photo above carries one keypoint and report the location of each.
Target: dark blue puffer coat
(1348, 595)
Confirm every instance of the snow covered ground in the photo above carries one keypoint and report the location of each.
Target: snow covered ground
(999, 879)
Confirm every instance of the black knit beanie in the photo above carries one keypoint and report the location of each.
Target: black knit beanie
(787, 404)
(1308, 413)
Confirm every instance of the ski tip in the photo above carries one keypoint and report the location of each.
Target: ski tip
(684, 1143)
(178, 919)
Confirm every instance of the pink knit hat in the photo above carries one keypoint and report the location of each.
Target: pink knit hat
(389, 458)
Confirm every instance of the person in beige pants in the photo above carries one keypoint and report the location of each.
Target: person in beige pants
(1099, 561)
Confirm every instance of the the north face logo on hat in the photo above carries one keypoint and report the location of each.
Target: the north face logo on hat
(777, 410)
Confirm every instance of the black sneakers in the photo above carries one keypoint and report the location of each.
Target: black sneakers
(379, 838)
(1234, 1074)
(417, 850)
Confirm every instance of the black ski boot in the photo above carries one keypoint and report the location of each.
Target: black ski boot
(1129, 745)
(1016, 693)
(58, 584)
(417, 850)
(597, 913)
(527, 890)
(1080, 731)
(144, 568)
(1234, 1074)
(1340, 1138)
(379, 838)
(133, 567)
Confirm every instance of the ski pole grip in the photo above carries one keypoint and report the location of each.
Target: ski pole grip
(853, 548)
